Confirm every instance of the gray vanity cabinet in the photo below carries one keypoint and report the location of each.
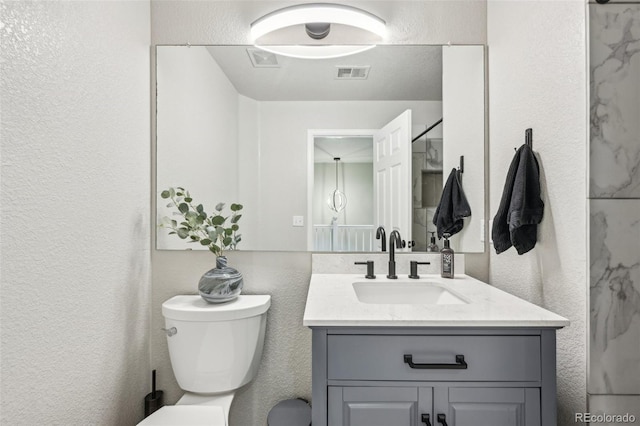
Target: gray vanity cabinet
(378, 405)
(413, 406)
(387, 376)
(490, 406)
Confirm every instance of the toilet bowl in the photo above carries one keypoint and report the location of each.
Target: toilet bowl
(215, 349)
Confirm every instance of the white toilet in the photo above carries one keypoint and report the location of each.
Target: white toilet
(214, 349)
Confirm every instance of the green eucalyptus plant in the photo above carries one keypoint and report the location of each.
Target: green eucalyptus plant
(199, 226)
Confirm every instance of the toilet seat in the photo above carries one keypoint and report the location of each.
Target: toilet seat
(186, 415)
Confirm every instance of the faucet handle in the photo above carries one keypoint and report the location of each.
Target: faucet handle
(381, 235)
(413, 268)
(370, 275)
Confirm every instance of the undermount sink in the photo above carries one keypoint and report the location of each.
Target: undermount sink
(405, 292)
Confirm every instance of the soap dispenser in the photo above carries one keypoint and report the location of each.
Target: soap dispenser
(447, 258)
(433, 247)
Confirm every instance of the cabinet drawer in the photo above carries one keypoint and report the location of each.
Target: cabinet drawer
(384, 357)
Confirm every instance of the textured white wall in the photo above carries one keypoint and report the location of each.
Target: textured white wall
(197, 132)
(463, 100)
(537, 78)
(75, 212)
(408, 21)
(286, 366)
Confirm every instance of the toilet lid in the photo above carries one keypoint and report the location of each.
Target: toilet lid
(195, 308)
(186, 415)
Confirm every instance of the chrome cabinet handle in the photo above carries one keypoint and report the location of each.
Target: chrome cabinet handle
(170, 331)
(426, 419)
(459, 365)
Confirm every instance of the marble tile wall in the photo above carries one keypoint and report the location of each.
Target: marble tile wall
(603, 405)
(614, 190)
(615, 297)
(422, 227)
(426, 156)
(615, 101)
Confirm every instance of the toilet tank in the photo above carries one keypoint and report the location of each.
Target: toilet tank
(216, 347)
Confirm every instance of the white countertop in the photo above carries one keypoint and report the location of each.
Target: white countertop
(332, 302)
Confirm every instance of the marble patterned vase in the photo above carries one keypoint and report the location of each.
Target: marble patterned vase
(220, 284)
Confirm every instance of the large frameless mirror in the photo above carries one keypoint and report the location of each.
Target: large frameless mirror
(320, 152)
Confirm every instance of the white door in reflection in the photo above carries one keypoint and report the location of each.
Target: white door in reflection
(392, 181)
(373, 173)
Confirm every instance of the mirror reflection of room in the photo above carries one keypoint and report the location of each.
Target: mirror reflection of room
(343, 193)
(427, 183)
(248, 113)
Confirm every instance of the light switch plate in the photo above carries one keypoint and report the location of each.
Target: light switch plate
(298, 221)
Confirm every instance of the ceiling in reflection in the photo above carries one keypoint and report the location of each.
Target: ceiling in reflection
(393, 73)
(350, 149)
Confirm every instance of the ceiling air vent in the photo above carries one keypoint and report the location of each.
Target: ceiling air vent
(262, 59)
(352, 73)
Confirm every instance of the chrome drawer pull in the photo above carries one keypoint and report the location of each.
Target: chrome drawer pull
(459, 365)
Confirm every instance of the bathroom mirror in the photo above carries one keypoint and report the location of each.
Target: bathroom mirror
(236, 124)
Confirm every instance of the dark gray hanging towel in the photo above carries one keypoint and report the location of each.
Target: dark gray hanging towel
(453, 207)
(521, 208)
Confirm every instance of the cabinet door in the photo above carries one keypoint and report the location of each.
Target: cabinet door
(488, 406)
(378, 406)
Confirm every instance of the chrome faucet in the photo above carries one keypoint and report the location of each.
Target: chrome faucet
(380, 234)
(395, 241)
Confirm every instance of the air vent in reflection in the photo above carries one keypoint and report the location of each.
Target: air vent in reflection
(262, 59)
(352, 73)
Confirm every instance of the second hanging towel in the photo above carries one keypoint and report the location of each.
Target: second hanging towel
(453, 207)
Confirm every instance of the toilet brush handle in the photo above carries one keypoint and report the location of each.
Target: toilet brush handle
(153, 384)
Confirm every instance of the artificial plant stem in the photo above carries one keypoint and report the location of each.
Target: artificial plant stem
(203, 232)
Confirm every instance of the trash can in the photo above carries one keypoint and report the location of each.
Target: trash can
(290, 412)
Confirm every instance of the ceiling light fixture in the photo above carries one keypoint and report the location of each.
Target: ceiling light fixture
(315, 13)
(317, 52)
(337, 201)
(317, 19)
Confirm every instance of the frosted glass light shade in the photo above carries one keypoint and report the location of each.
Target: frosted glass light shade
(317, 12)
(316, 51)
